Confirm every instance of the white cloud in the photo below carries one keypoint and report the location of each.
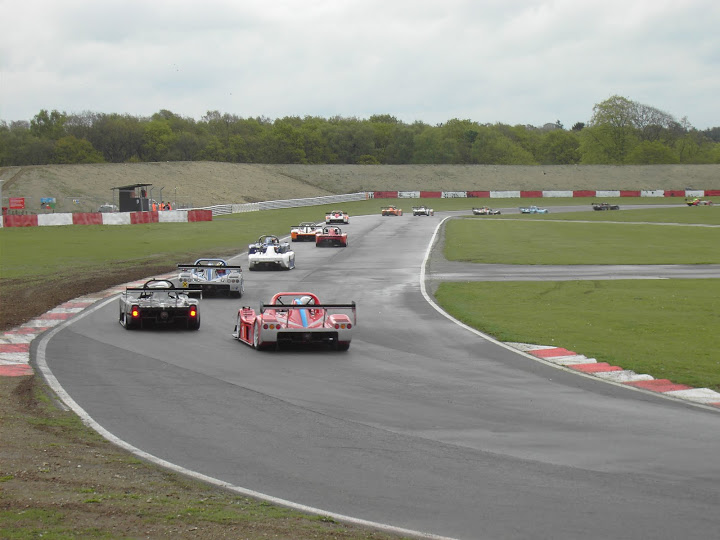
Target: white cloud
(516, 61)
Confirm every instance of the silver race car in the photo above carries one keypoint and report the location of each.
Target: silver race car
(158, 303)
(211, 277)
(422, 211)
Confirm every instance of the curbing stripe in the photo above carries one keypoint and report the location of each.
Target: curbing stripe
(616, 374)
(595, 368)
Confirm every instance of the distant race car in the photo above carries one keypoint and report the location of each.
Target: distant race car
(158, 303)
(305, 232)
(336, 216)
(270, 252)
(295, 318)
(211, 277)
(332, 237)
(485, 211)
(422, 211)
(605, 206)
(698, 202)
(390, 211)
(533, 210)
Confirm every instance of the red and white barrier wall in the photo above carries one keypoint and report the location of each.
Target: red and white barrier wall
(539, 194)
(106, 218)
(183, 216)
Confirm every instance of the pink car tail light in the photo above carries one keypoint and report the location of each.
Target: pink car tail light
(343, 326)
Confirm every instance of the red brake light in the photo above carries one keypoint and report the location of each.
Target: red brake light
(135, 312)
(193, 312)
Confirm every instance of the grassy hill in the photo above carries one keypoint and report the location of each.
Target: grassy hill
(81, 188)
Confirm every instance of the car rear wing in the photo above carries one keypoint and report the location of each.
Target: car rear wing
(158, 289)
(205, 267)
(327, 307)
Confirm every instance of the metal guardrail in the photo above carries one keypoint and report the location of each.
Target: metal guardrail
(225, 209)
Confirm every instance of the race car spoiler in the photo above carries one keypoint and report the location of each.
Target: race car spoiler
(287, 307)
(204, 266)
(158, 289)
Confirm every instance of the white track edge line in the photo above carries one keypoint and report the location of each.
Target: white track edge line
(40, 359)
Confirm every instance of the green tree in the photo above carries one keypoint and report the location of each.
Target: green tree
(559, 147)
(118, 137)
(158, 137)
(651, 153)
(70, 149)
(45, 125)
(284, 143)
(401, 147)
(433, 147)
(493, 147)
(615, 133)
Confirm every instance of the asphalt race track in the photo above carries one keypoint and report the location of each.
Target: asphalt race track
(422, 425)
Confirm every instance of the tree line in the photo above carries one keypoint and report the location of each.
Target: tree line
(620, 131)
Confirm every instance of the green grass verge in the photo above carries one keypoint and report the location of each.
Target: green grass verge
(526, 241)
(665, 328)
(51, 252)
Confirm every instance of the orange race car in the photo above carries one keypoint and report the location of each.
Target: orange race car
(391, 211)
(305, 232)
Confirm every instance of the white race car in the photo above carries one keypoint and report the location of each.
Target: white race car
(422, 211)
(270, 252)
(485, 211)
(211, 277)
(336, 216)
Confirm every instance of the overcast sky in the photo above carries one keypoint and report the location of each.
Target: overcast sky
(490, 61)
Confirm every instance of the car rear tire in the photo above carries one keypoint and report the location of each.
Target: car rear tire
(256, 336)
(342, 345)
(126, 322)
(194, 325)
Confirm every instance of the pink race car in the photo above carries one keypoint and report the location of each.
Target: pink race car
(296, 318)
